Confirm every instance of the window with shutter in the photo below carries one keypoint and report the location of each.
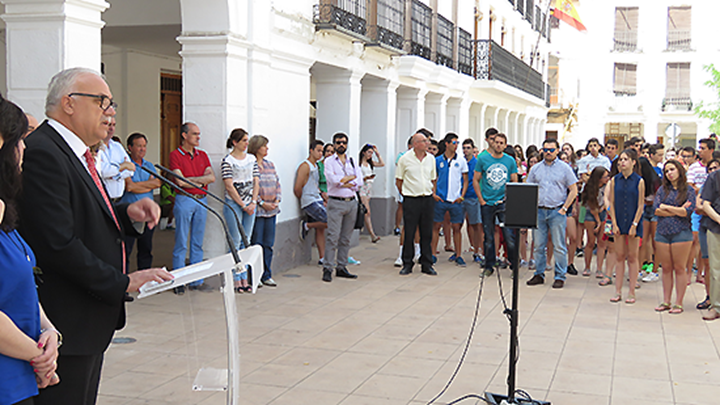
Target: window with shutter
(678, 35)
(626, 26)
(625, 79)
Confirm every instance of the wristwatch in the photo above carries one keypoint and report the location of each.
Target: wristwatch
(59, 335)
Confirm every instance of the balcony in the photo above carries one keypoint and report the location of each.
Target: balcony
(421, 30)
(445, 34)
(680, 104)
(347, 16)
(390, 26)
(496, 63)
(521, 7)
(678, 40)
(465, 52)
(625, 41)
(529, 9)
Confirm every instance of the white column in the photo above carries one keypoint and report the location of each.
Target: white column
(338, 95)
(522, 130)
(436, 114)
(458, 110)
(490, 116)
(377, 127)
(410, 114)
(513, 137)
(503, 121)
(531, 140)
(43, 38)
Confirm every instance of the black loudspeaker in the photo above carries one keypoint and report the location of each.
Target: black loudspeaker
(521, 205)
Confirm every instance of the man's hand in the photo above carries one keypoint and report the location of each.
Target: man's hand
(436, 197)
(347, 179)
(140, 277)
(145, 210)
(458, 200)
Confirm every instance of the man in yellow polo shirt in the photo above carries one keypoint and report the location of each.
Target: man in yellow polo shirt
(415, 178)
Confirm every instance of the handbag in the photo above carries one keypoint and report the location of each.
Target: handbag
(361, 211)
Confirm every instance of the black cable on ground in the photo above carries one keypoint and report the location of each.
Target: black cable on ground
(465, 350)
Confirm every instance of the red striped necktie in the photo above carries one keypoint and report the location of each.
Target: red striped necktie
(90, 160)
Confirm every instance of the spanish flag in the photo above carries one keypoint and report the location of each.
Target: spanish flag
(564, 10)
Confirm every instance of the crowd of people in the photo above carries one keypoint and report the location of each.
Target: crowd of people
(75, 203)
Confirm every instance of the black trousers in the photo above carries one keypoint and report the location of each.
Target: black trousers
(418, 213)
(79, 380)
(144, 244)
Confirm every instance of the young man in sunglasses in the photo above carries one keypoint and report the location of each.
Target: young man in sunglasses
(557, 192)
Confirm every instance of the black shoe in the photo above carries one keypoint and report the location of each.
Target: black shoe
(327, 275)
(429, 271)
(179, 290)
(343, 273)
(558, 284)
(535, 280)
(128, 298)
(571, 270)
(406, 270)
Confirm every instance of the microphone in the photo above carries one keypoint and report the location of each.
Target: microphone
(234, 253)
(244, 237)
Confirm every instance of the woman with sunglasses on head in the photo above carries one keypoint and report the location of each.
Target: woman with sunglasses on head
(674, 202)
(367, 166)
(703, 275)
(626, 197)
(593, 199)
(28, 340)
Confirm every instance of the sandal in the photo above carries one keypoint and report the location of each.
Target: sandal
(712, 315)
(375, 239)
(586, 273)
(676, 309)
(630, 299)
(665, 306)
(616, 298)
(605, 281)
(449, 249)
(239, 290)
(705, 304)
(599, 274)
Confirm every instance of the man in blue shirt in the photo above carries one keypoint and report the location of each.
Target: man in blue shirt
(494, 169)
(555, 179)
(137, 187)
(450, 189)
(472, 205)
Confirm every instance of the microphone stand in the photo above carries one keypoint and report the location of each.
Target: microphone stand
(219, 217)
(244, 237)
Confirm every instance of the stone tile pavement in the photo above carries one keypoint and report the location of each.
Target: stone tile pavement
(387, 339)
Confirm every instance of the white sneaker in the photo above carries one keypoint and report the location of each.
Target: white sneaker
(416, 258)
(651, 277)
(398, 262)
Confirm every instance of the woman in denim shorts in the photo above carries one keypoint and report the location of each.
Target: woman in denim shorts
(593, 199)
(674, 202)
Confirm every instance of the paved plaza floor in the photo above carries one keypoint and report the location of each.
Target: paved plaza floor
(386, 339)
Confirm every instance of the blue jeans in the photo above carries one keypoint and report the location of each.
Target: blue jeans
(247, 221)
(189, 218)
(488, 221)
(553, 221)
(264, 235)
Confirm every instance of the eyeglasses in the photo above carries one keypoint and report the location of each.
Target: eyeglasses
(549, 150)
(341, 142)
(105, 101)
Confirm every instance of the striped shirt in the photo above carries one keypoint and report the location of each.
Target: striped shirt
(270, 190)
(242, 172)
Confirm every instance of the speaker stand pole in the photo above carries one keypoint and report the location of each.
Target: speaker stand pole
(514, 322)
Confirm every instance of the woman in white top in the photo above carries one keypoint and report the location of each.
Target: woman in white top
(241, 177)
(368, 165)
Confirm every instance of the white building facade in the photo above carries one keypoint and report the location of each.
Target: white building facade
(292, 70)
(637, 70)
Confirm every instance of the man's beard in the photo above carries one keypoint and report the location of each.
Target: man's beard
(340, 150)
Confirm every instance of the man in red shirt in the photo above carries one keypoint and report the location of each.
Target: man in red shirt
(194, 164)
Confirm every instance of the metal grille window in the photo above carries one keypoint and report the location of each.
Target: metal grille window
(421, 29)
(679, 19)
(445, 30)
(626, 26)
(348, 15)
(529, 9)
(390, 21)
(625, 79)
(465, 52)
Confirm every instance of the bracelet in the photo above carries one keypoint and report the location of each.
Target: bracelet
(59, 335)
(635, 224)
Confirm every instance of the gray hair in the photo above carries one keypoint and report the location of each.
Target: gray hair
(61, 85)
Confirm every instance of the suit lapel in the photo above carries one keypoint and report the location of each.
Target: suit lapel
(79, 168)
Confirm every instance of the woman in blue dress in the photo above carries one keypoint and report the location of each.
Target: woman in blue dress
(627, 194)
(28, 341)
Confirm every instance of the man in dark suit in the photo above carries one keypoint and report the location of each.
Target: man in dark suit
(77, 234)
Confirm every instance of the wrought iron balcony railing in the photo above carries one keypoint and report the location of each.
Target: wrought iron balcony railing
(344, 15)
(625, 41)
(677, 104)
(678, 40)
(465, 52)
(496, 63)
